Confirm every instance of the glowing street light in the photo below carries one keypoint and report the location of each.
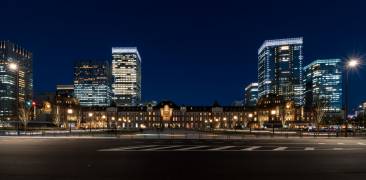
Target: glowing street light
(69, 112)
(250, 115)
(350, 64)
(273, 112)
(13, 66)
(90, 120)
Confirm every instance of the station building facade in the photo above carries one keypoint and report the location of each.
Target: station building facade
(166, 114)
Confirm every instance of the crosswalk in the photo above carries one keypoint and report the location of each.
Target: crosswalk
(309, 149)
(220, 148)
(252, 148)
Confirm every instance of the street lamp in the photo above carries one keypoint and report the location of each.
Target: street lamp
(236, 121)
(13, 66)
(250, 116)
(350, 64)
(90, 119)
(69, 112)
(273, 113)
(104, 118)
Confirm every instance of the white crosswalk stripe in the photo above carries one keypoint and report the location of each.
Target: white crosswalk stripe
(360, 143)
(190, 148)
(251, 148)
(221, 148)
(340, 143)
(280, 149)
(162, 148)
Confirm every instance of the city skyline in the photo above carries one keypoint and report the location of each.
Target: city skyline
(142, 89)
(174, 74)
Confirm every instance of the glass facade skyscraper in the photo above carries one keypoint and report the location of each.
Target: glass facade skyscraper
(323, 80)
(126, 71)
(251, 95)
(16, 80)
(280, 69)
(92, 82)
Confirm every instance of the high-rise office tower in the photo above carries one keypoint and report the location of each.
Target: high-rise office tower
(323, 82)
(92, 82)
(16, 80)
(280, 69)
(126, 71)
(251, 95)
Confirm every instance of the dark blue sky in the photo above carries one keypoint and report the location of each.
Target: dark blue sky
(193, 52)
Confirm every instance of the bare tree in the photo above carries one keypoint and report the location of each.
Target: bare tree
(24, 116)
(57, 117)
(320, 107)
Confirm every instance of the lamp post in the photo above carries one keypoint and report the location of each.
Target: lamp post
(273, 113)
(113, 119)
(90, 120)
(235, 121)
(104, 119)
(250, 116)
(14, 67)
(69, 113)
(350, 64)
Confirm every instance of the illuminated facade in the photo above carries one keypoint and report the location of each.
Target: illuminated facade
(126, 71)
(16, 80)
(251, 94)
(323, 81)
(273, 110)
(166, 114)
(280, 69)
(66, 105)
(92, 83)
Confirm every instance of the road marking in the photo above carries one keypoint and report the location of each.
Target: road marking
(340, 143)
(221, 148)
(337, 149)
(251, 148)
(360, 143)
(161, 148)
(321, 143)
(280, 149)
(127, 148)
(190, 148)
(309, 149)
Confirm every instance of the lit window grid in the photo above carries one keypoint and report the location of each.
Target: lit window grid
(127, 78)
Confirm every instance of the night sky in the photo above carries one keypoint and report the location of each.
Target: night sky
(192, 52)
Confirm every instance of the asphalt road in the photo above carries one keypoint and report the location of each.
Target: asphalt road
(297, 158)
